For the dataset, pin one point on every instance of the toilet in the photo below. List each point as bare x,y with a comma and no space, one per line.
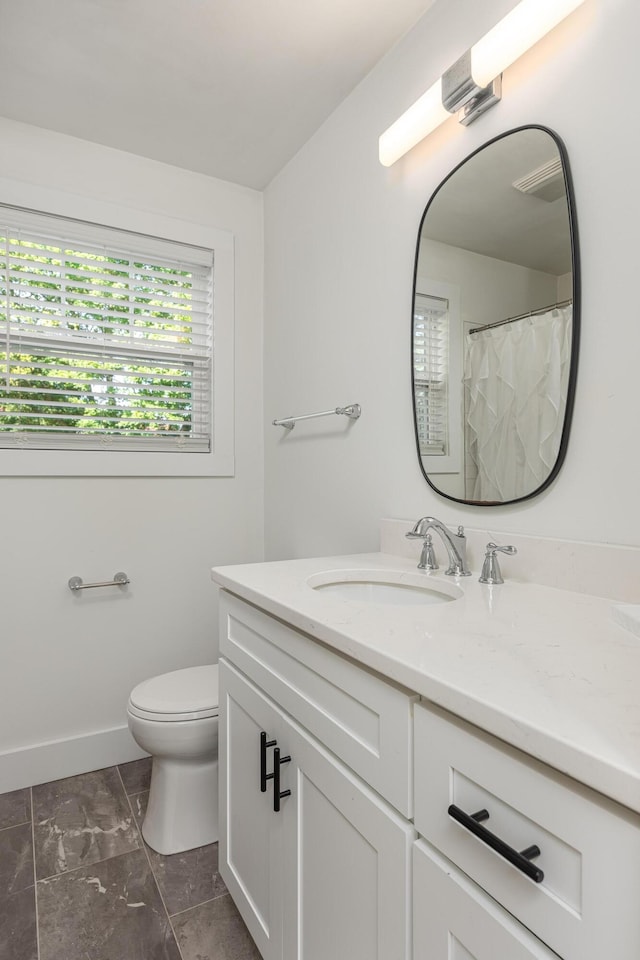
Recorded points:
174,717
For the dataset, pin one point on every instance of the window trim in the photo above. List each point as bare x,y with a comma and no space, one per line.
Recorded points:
111,463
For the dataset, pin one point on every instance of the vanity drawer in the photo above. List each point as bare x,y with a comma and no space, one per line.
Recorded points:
453,919
586,906
362,718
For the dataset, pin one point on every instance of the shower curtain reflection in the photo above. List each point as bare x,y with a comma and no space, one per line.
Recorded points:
515,386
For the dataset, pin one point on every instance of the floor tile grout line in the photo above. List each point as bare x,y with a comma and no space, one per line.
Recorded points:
155,879
35,878
136,792
21,824
86,866
195,906
132,796
5,897
133,815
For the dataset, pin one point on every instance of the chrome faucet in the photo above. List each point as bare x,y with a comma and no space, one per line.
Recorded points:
491,568
456,544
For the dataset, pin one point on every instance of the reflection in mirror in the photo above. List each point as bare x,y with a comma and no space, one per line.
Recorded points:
494,333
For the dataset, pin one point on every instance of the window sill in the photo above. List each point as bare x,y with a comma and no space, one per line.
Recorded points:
98,463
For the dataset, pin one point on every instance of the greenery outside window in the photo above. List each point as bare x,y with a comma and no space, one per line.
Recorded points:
106,341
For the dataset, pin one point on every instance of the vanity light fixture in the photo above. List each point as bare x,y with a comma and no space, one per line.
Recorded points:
474,83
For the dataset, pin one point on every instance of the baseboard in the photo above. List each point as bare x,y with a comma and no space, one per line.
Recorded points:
44,762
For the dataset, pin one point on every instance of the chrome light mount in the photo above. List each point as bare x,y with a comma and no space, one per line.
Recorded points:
462,95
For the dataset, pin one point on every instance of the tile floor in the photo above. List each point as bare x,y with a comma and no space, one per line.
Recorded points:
77,881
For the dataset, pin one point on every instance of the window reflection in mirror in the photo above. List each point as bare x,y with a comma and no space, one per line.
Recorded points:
494,328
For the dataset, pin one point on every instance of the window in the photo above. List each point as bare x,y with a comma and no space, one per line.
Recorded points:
430,373
437,375
106,346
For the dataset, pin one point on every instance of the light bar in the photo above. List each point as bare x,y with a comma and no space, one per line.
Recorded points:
472,85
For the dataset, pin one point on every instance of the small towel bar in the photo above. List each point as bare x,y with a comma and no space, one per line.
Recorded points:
352,411
119,580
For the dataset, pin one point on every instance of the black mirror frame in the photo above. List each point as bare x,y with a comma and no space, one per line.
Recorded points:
575,328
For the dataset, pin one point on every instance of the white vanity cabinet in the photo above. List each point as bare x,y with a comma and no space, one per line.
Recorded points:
371,855
326,875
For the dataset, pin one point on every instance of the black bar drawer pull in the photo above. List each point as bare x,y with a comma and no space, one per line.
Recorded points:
520,859
277,793
264,776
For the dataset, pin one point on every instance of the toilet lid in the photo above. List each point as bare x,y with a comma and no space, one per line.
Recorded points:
180,695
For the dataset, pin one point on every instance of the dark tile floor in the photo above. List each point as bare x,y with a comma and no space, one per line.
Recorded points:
77,881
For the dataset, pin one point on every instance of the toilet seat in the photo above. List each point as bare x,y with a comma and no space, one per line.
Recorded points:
190,694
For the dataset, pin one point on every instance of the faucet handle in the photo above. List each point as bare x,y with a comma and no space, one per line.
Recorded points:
428,556
494,548
491,568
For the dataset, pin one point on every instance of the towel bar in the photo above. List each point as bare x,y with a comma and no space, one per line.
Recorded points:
119,580
352,411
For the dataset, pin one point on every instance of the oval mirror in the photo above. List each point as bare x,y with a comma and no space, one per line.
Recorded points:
495,322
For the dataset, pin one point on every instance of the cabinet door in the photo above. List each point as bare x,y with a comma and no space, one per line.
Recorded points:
250,834
347,861
455,920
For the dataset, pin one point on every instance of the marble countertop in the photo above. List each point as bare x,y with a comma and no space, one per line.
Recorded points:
548,671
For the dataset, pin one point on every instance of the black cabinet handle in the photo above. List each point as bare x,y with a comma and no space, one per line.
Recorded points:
264,776
520,859
277,793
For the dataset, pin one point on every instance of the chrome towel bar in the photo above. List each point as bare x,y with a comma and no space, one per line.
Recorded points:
119,580
352,411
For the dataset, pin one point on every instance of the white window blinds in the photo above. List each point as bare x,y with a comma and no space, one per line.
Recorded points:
106,338
430,366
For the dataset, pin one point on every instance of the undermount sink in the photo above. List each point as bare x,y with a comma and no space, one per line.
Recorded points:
383,586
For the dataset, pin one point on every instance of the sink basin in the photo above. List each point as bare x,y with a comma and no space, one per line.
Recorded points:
383,586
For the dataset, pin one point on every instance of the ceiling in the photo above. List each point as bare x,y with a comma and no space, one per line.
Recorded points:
478,208
229,88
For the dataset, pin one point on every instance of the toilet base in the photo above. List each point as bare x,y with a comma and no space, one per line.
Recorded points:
182,812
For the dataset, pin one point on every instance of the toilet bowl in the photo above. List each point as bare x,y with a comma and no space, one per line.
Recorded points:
174,717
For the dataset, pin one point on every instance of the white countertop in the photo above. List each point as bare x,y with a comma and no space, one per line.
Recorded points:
548,671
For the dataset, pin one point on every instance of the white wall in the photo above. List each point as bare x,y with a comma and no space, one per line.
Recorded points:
340,234
490,289
69,662
565,287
